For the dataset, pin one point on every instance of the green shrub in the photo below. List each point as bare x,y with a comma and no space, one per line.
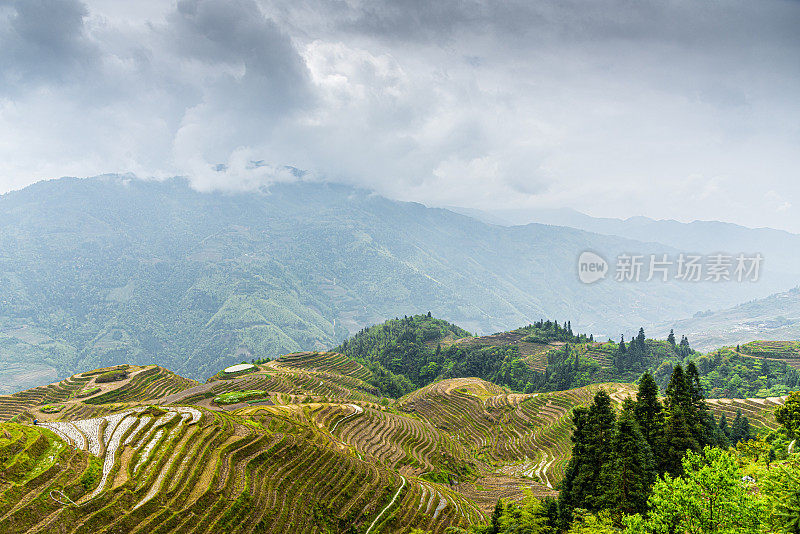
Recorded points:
234,397
112,376
91,476
87,392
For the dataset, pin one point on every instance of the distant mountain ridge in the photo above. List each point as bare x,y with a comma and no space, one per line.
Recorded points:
779,248
108,270
774,318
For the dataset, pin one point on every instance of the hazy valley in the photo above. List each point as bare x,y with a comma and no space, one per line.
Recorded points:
113,270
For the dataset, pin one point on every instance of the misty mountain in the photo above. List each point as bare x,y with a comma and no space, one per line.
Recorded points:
100,271
779,248
774,318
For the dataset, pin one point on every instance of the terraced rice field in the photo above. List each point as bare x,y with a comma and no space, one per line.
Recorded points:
759,411
602,353
295,465
772,349
182,469
528,433
286,384
325,361
144,383
786,351
11,405
316,452
534,354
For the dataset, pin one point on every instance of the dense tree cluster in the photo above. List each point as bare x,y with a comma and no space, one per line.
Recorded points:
567,368
728,373
411,352
578,364
720,491
403,354
658,467
408,353
546,331
788,415
634,355
616,458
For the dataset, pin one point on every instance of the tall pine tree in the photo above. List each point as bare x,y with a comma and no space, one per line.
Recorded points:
640,339
723,437
632,470
740,429
683,349
592,434
679,424
649,412
671,338
704,424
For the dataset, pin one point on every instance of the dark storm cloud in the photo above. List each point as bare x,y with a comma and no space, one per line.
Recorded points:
617,107
254,80
43,41
237,33
687,23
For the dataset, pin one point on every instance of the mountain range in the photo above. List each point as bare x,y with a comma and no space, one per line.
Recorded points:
114,269
779,248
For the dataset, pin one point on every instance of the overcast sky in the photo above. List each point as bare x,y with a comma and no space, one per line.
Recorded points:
671,109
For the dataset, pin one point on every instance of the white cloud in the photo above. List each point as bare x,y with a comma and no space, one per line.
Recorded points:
676,110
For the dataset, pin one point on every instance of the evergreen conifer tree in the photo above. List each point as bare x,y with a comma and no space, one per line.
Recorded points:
724,432
679,424
620,358
684,350
723,425
740,429
649,411
593,430
628,476
494,522
678,392
703,420
671,338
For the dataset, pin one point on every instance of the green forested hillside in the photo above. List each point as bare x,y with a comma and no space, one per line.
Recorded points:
722,373
757,369
403,354
114,270
409,353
